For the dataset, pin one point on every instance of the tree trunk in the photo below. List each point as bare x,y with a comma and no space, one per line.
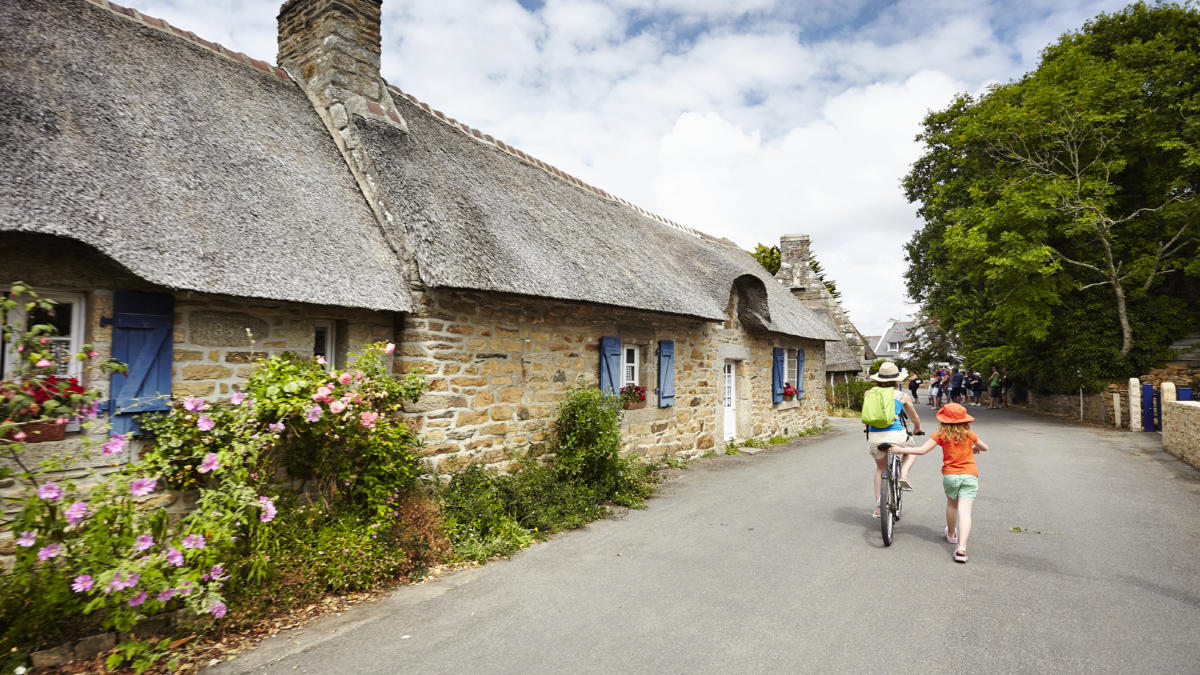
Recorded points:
1123,315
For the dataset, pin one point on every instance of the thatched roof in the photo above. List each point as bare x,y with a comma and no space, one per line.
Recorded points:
481,218
193,167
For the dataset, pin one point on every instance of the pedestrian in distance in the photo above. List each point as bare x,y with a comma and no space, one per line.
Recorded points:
1004,387
994,388
890,377
956,386
913,384
960,477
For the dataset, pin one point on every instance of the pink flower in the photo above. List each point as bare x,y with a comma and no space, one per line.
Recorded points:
19,436
389,348
131,581
275,426
114,445
164,596
49,491
217,573
44,341
193,404
193,541
143,542
321,360
237,398
210,463
205,423
43,363
142,486
27,539
185,588
268,508
93,354
314,413
174,557
137,599
369,419
323,392
218,610
82,583
337,407
76,512
61,421
345,379
48,552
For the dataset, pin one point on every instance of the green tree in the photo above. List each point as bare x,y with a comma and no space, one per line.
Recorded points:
767,256
820,272
1060,209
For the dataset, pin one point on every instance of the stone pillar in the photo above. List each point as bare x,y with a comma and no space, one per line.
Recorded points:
1168,392
1117,409
1135,404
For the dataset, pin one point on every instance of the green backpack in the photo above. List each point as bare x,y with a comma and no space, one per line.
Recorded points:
879,407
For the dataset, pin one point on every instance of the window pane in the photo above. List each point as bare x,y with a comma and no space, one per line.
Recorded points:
60,345
321,342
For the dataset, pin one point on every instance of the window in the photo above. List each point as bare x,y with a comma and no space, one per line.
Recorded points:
629,365
323,342
793,368
893,346
68,319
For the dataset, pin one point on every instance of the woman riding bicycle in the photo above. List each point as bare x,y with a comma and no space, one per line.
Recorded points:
888,376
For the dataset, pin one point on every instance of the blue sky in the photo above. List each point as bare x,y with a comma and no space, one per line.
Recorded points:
747,119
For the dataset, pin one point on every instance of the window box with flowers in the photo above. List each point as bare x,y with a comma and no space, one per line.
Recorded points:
789,392
30,401
633,397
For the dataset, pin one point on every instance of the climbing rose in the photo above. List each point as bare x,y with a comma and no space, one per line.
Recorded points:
314,413
210,463
43,363
337,407
369,419
114,445
82,583
27,539
143,542
77,512
237,398
20,436
137,599
321,360
193,541
345,379
268,508
389,348
141,486
218,610
49,491
174,557
204,423
48,552
93,354
193,404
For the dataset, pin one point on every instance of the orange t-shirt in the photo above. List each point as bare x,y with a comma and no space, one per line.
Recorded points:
957,458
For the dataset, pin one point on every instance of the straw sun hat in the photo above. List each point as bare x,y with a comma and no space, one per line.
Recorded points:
888,372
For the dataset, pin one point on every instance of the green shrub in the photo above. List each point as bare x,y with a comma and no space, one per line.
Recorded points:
337,552
849,394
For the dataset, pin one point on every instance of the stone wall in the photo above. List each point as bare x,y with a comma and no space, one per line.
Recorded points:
1181,430
498,367
1097,408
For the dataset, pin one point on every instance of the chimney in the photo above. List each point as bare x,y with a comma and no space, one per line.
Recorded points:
333,47
794,272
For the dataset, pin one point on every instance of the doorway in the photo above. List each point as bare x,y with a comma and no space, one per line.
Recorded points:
729,402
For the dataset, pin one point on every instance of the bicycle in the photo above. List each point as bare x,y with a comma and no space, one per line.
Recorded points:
891,496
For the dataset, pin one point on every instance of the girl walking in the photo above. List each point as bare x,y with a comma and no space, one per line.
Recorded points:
960,477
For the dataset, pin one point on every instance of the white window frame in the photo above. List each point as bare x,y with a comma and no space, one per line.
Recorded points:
894,347
792,375
74,341
630,370
330,341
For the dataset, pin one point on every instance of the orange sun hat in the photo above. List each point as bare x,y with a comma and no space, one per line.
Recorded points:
953,413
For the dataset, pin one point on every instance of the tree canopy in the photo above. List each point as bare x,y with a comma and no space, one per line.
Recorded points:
1061,216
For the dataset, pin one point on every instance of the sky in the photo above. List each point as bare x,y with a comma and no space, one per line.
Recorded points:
745,119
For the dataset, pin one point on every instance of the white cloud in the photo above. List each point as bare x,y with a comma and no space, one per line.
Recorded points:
748,119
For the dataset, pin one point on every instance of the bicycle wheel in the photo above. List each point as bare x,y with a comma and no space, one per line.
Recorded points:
899,494
885,510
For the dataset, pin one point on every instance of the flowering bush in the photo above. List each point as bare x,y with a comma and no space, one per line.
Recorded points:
632,393
104,553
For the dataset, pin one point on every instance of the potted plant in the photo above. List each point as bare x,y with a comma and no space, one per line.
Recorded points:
633,397
41,406
789,392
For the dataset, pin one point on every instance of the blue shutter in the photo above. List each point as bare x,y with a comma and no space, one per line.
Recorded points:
799,374
142,339
666,373
777,376
610,364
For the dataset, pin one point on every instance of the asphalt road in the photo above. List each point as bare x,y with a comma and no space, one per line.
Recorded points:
771,563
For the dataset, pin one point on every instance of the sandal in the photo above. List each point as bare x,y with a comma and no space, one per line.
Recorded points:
949,539
960,556
875,514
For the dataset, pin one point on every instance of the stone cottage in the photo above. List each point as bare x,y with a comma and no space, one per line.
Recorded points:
200,209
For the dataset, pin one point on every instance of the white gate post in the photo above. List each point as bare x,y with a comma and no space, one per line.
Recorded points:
1135,404
1117,409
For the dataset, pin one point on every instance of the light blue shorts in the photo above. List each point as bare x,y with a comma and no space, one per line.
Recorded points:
960,485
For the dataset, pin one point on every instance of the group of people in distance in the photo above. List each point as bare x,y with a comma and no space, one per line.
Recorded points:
960,476
963,387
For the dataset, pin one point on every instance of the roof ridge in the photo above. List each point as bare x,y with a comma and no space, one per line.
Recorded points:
161,25
548,168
